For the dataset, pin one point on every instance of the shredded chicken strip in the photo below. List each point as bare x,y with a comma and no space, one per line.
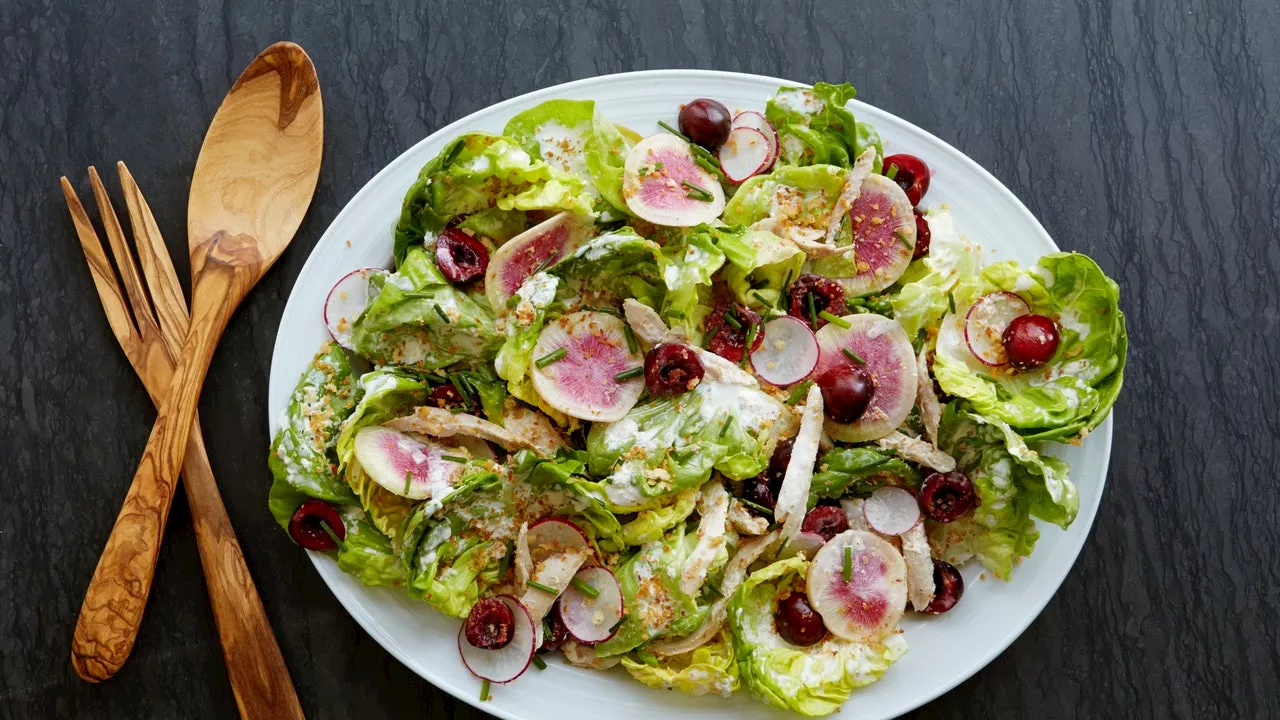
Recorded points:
585,656
853,513
917,450
743,522
523,563
915,550
533,427
438,422
713,506
794,495
734,573
556,572
930,407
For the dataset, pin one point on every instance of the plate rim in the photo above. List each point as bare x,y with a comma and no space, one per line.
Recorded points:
1104,433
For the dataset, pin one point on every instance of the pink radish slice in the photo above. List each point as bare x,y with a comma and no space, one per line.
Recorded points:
868,606
654,188
348,298
583,383
747,152
553,536
891,511
509,661
985,323
405,465
756,121
806,543
547,242
884,235
885,348
789,352
592,620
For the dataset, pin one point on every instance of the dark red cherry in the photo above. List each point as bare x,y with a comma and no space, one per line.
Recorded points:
671,369
825,294
948,587
727,327
1030,341
922,236
944,497
460,256
555,633
847,391
306,527
797,622
825,520
912,175
490,625
705,122
447,397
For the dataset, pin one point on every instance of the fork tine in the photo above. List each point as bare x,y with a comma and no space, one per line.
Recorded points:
104,278
143,316
157,267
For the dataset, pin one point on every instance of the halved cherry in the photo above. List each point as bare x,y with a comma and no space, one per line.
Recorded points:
911,174
948,587
460,255
814,294
489,625
448,397
728,326
922,236
307,526
671,369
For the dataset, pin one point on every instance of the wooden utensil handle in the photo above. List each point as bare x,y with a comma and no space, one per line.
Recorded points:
259,677
117,594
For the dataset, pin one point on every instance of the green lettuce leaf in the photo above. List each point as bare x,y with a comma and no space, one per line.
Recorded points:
303,457
385,394
584,498
1074,392
531,302
922,295
571,136
500,225
367,553
688,262
613,266
812,681
809,193
650,524
712,668
421,320
476,172
759,265
814,126
384,510
857,472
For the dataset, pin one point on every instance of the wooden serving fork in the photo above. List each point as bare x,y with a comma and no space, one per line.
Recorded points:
151,336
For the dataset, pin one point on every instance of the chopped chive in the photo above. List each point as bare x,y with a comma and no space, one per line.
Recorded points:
705,153
725,427
853,357
848,563
695,191
756,506
751,341
782,295
539,663
626,375
835,320
460,384
602,309
673,131
733,321
902,236
455,458
711,337
585,589
657,167
544,588
707,165
442,315
543,265
512,302
408,480
632,346
553,356
951,303
677,314
892,172
484,691
813,312
332,535
798,394
761,298
454,153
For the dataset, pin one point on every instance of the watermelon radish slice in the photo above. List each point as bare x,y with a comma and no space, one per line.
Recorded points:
756,121
985,323
788,354
539,246
868,606
348,298
583,382
592,620
891,511
747,152
509,661
883,345
884,235
659,178
408,466
806,543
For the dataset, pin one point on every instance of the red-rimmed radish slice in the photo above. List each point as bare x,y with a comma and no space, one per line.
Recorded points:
883,345
583,382
891,511
554,536
985,323
544,243
509,661
757,121
806,543
557,549
747,152
656,183
347,299
405,465
884,235
592,620
788,354
868,606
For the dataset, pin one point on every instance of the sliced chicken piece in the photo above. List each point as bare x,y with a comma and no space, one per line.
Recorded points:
926,400
743,522
853,512
713,506
533,427
849,192
918,451
585,656
645,322
438,422
915,550
523,562
555,572
793,497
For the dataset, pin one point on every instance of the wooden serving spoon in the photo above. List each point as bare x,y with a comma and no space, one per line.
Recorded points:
254,179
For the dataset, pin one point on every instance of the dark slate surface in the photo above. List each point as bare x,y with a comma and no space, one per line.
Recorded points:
1143,132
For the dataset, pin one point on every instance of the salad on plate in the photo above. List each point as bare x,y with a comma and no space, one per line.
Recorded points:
717,406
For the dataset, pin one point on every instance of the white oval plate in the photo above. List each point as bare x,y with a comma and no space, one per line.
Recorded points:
945,650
